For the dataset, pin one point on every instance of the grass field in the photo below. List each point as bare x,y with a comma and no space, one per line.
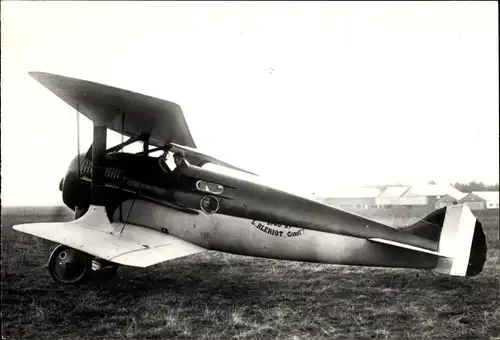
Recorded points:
214,296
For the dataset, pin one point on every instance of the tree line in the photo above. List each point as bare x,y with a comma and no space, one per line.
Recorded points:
476,186
473,186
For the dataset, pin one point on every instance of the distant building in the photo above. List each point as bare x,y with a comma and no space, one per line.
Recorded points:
390,196
448,200
417,195
480,200
429,194
351,197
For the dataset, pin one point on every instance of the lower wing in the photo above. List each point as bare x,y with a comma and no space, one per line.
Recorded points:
122,243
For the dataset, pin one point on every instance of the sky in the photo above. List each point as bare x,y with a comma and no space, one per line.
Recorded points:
309,95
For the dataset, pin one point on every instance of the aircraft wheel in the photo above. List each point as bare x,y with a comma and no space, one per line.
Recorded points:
69,266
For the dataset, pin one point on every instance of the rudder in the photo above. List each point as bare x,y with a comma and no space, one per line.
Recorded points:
460,238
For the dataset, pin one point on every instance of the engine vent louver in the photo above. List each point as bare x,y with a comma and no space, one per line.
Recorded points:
110,173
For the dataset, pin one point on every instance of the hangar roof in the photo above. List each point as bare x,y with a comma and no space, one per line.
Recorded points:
434,190
486,195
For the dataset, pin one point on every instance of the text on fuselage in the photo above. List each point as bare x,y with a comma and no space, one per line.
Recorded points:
273,229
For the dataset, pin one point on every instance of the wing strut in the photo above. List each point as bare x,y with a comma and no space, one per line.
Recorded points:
97,191
146,152
123,144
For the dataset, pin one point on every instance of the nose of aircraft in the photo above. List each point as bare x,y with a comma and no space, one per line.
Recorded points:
74,192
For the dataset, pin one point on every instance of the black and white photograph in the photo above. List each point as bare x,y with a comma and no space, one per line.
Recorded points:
250,170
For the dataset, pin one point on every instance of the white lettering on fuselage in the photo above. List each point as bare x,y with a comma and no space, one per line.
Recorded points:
273,229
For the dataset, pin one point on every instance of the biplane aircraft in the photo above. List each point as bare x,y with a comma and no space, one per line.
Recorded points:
136,209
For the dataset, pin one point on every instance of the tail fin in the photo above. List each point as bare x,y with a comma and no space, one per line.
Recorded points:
460,237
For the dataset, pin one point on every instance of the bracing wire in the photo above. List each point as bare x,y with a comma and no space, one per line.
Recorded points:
121,170
128,216
139,191
78,137
123,124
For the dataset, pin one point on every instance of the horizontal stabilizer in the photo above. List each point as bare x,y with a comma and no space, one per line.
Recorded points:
407,246
125,244
461,241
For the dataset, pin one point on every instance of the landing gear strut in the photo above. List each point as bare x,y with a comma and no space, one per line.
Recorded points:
69,266
79,212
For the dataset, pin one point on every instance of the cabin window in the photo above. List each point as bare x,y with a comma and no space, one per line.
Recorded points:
212,188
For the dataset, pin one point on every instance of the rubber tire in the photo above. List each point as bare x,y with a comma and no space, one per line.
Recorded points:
53,257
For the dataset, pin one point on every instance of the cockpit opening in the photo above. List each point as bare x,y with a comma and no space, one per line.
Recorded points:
169,161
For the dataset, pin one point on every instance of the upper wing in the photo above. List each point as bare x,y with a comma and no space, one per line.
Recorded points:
129,245
129,113
126,112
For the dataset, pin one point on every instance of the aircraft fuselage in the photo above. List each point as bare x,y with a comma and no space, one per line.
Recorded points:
176,210
271,240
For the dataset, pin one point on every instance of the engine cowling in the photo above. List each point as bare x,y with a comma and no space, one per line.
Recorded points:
135,173
75,192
